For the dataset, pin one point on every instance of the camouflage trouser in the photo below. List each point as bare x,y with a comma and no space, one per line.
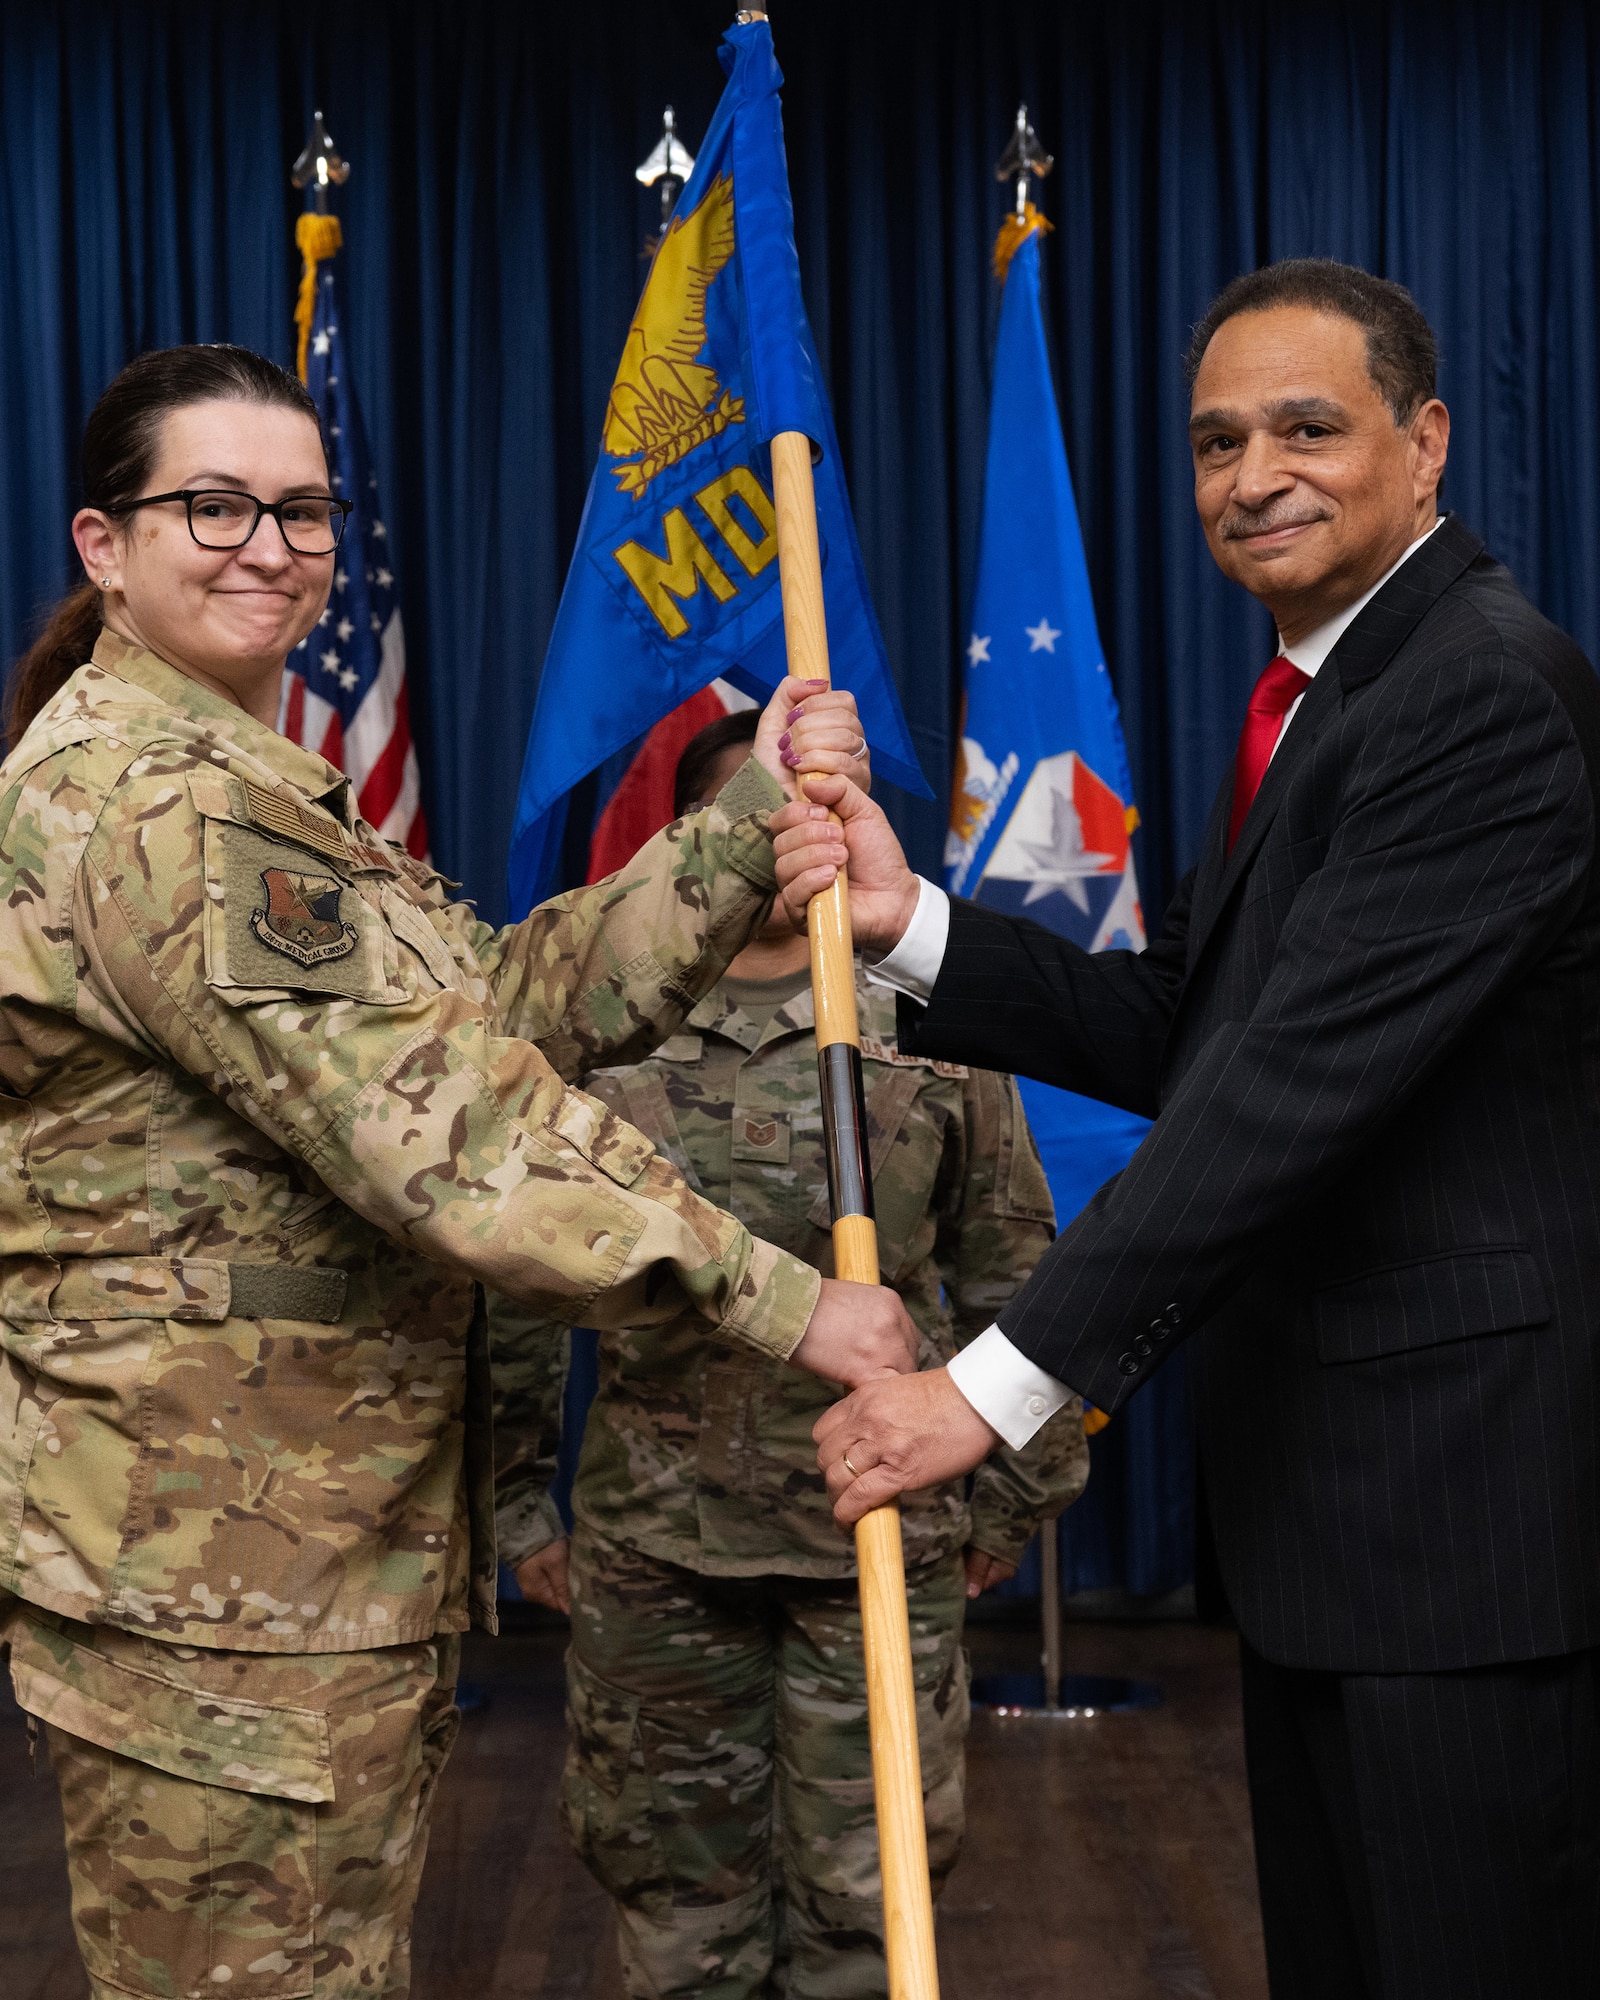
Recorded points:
244,1823
718,1780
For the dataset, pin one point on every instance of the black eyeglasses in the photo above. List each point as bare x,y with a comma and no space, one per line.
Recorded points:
311,525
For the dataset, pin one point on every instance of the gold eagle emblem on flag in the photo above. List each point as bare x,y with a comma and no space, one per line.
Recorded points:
302,917
665,401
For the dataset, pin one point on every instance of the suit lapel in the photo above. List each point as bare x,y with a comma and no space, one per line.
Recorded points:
1362,653
1383,627
1208,872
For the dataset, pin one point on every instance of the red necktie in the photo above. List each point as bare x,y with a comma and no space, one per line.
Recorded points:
1281,685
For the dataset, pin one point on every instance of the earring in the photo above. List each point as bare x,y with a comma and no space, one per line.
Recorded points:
105,583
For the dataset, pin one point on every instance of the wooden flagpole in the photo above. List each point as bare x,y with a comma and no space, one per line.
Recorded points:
886,1632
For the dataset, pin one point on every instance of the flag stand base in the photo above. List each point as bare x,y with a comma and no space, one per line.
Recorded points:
1078,1696
1051,1693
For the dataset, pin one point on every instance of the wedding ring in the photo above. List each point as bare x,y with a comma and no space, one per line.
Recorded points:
854,1474
857,755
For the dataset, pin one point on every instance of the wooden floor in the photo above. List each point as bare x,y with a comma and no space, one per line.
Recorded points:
1106,1858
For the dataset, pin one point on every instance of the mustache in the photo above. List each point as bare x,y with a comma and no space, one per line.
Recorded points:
1239,522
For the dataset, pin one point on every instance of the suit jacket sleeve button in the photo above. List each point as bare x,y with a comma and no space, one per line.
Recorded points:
1141,1347
1173,1316
1128,1364
1159,1329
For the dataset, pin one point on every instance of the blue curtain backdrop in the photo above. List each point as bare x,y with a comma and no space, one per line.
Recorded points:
494,228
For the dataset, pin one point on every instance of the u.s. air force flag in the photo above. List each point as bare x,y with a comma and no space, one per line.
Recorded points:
674,582
1042,806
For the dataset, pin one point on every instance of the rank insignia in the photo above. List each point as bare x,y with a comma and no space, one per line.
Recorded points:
763,1139
302,917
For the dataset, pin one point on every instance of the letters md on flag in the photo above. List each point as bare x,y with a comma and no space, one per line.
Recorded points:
344,694
1042,811
674,582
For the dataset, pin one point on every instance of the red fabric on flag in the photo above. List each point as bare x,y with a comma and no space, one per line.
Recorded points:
1281,685
642,804
294,707
375,751
381,786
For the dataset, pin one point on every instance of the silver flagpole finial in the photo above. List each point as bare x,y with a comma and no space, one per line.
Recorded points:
667,166
1022,157
320,165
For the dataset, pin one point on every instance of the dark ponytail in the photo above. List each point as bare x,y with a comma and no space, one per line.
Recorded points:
120,443
55,656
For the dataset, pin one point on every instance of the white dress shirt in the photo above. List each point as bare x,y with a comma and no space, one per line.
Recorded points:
1011,1393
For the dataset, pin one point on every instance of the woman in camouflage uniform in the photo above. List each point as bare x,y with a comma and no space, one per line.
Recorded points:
718,1780
274,1108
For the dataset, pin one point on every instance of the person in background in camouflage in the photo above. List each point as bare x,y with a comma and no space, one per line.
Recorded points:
274,1110
718,1781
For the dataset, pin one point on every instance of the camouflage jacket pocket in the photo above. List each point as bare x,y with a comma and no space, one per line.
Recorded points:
608,1142
411,925
640,1096
187,1732
282,919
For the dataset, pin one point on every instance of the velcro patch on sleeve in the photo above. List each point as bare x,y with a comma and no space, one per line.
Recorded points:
283,814
278,917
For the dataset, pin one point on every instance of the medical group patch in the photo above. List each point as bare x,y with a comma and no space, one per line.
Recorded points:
302,918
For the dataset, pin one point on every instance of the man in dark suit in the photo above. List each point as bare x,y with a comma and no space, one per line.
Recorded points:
1368,1034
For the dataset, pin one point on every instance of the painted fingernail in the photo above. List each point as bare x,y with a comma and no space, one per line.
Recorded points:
791,760
814,684
783,740
794,715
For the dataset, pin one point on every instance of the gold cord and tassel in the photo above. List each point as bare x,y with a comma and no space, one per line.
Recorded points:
1014,232
316,237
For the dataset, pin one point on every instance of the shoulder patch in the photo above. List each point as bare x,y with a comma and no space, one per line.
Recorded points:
278,918
873,1050
302,917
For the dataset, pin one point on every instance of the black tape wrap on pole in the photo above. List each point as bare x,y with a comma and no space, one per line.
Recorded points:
844,1126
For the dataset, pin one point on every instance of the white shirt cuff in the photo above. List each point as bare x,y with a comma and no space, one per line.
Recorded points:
913,965
1011,1393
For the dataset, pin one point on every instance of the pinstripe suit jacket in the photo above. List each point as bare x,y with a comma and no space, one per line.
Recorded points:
1369,1200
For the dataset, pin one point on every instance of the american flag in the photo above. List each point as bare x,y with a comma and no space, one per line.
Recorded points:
345,692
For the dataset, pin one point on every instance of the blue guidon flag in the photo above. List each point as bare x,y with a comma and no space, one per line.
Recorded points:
1042,810
674,582
344,694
